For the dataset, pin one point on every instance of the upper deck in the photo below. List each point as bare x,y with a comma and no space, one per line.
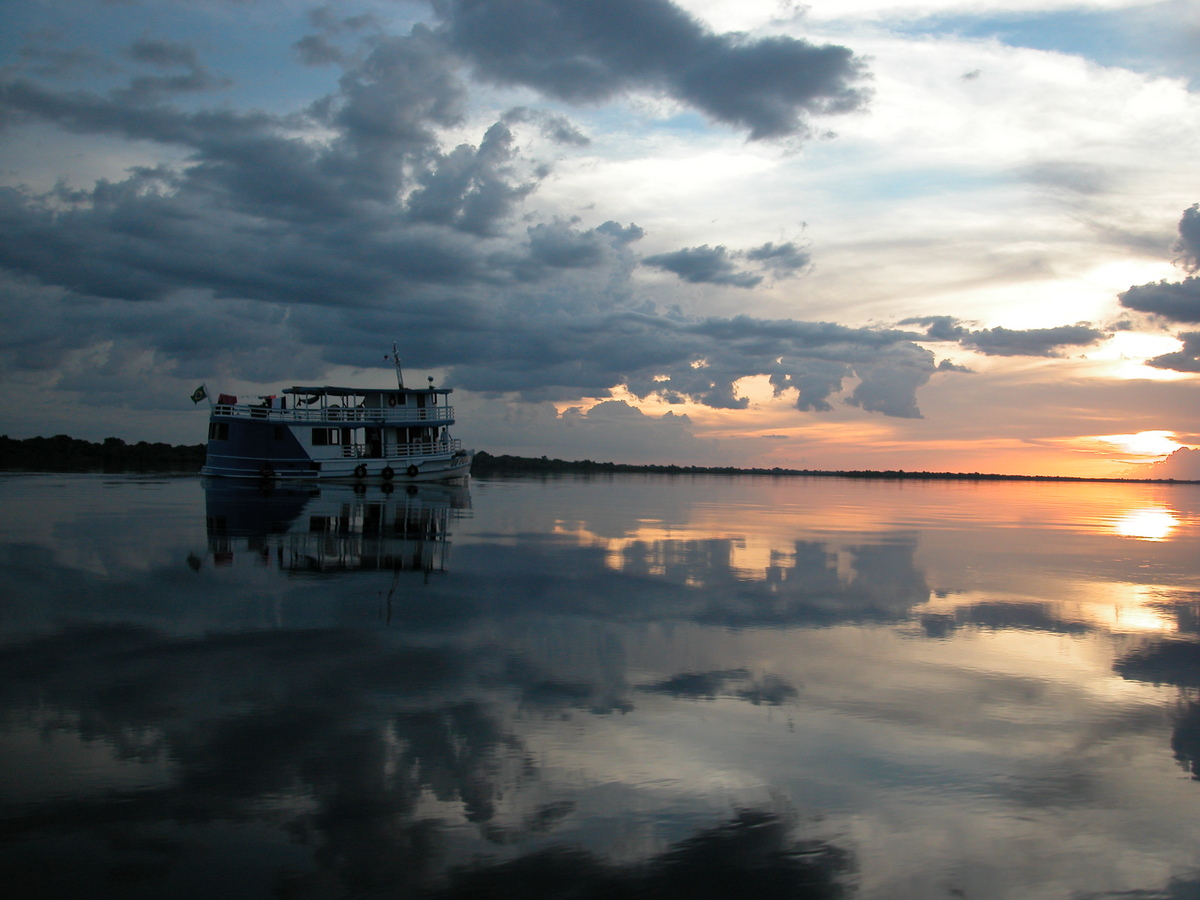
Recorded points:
319,405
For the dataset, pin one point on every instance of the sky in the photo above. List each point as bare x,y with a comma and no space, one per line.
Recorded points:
930,236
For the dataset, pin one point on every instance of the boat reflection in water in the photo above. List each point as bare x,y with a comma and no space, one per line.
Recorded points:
331,528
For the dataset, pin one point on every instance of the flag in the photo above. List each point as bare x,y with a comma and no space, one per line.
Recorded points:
199,394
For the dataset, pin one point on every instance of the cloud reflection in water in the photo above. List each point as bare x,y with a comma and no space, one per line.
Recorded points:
447,695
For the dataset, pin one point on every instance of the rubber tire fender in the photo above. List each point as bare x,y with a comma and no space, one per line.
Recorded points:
412,471
360,471
388,473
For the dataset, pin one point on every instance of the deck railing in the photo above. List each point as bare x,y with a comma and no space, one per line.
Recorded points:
398,415
391,450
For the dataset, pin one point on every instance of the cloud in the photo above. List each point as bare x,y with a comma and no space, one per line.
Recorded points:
556,128
946,365
938,328
1189,238
168,55
316,50
1045,342
629,421
623,235
1183,465
470,188
1174,301
1031,341
561,246
783,259
717,265
703,265
1186,359
592,53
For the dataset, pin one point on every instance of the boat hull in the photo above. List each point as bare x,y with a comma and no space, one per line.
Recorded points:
401,469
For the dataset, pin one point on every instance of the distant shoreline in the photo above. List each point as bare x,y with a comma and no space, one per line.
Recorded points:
113,455
486,464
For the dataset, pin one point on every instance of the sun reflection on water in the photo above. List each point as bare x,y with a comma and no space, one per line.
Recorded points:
1147,524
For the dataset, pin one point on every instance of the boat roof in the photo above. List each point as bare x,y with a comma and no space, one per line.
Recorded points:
354,392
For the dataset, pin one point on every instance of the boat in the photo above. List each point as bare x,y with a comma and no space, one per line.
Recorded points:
352,434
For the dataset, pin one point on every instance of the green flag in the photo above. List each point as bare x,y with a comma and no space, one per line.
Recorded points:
199,394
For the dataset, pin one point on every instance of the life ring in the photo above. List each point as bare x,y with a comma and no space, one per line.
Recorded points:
391,399
412,471
360,471
387,473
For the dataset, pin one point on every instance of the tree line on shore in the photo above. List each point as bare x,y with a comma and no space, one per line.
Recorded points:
485,465
66,454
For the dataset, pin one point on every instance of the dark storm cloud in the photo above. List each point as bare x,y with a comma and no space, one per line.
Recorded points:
1186,359
315,50
471,189
54,62
325,19
1175,301
350,220
782,258
946,365
584,52
623,235
704,265
319,49
1047,342
564,247
553,127
1189,238
938,328
717,265
164,54
168,55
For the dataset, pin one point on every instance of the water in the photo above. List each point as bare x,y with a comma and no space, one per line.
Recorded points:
631,686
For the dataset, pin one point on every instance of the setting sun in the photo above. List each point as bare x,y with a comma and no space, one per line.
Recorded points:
1145,443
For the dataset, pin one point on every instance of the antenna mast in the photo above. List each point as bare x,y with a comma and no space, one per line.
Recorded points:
396,360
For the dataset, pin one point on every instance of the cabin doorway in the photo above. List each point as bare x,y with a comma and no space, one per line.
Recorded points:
374,443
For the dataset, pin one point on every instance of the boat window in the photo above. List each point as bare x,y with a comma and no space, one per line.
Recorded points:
218,431
324,437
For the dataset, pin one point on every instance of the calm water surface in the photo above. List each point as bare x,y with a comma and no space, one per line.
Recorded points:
634,686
